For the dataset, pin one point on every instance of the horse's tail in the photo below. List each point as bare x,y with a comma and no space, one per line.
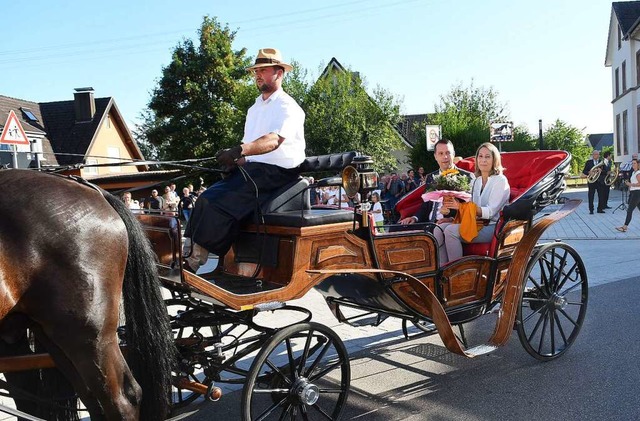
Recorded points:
151,352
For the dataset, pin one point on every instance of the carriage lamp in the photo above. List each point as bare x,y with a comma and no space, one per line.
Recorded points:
359,176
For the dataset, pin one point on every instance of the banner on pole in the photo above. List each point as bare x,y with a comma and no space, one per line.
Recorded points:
501,132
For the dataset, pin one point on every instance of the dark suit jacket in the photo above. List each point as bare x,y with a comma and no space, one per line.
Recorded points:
603,174
425,211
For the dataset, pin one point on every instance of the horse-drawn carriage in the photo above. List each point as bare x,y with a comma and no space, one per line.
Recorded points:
301,368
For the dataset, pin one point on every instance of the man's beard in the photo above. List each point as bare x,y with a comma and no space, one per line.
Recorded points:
267,88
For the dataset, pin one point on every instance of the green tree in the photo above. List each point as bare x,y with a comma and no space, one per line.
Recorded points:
341,116
201,99
563,136
464,113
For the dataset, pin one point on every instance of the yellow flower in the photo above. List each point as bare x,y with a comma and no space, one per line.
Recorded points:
448,172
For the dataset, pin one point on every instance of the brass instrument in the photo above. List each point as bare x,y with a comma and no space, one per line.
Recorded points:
594,172
612,175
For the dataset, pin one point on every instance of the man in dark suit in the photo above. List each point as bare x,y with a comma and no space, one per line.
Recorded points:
606,169
430,211
596,186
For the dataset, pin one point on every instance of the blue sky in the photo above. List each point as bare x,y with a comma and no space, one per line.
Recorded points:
544,58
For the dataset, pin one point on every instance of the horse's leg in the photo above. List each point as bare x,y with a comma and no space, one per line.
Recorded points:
66,366
83,323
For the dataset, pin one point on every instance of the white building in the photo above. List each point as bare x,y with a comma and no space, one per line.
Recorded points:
623,56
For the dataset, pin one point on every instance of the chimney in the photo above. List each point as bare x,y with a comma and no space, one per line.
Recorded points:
84,104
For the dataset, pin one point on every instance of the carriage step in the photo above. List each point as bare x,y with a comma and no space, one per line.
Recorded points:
481,350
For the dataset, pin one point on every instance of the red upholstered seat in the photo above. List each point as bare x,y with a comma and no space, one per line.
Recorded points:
523,170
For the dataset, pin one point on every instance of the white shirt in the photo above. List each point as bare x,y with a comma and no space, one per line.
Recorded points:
634,180
279,114
493,197
377,216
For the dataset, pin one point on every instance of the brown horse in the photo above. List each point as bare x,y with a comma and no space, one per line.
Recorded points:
68,255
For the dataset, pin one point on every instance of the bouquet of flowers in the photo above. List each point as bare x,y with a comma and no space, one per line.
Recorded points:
448,183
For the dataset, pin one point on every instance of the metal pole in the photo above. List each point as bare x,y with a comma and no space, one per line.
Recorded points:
14,156
34,153
540,141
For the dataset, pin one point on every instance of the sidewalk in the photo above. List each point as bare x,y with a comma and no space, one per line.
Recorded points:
580,225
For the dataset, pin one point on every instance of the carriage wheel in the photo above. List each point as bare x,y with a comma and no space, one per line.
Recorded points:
303,373
553,302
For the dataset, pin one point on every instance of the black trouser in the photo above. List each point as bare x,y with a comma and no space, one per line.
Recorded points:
216,218
634,202
605,191
593,188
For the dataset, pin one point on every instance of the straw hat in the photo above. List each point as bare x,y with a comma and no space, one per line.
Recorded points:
270,57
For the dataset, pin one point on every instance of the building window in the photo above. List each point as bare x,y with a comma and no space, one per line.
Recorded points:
624,77
637,67
617,82
31,117
625,142
108,122
618,135
619,37
90,170
114,158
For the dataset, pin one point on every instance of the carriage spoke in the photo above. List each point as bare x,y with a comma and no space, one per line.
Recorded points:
315,363
535,329
567,276
305,352
535,284
272,408
292,362
278,371
542,332
317,408
571,288
560,329
533,313
569,317
326,370
334,391
560,271
552,331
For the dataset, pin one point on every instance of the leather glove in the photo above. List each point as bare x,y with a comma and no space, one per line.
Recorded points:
227,157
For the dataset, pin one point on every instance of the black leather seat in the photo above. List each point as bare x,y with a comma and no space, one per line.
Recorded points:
290,206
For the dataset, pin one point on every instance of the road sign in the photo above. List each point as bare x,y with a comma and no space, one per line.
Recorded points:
13,133
433,135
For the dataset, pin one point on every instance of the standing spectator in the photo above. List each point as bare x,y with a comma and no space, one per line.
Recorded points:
174,193
126,198
411,181
421,176
170,203
155,202
395,190
186,204
376,210
634,194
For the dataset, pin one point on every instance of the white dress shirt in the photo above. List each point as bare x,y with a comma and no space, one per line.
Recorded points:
279,114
